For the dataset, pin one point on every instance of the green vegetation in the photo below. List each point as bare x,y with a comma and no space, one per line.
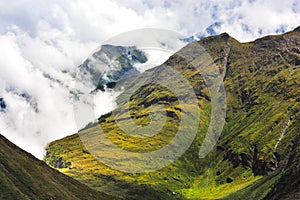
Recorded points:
25,177
257,153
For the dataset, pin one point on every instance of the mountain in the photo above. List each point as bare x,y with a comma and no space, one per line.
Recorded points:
111,63
211,30
25,177
257,155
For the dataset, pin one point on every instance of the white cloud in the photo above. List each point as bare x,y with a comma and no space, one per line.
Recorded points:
36,107
40,41
252,20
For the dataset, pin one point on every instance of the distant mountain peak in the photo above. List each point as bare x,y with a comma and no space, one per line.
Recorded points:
297,29
211,30
225,35
111,63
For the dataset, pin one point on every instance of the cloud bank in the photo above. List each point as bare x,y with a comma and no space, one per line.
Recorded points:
41,42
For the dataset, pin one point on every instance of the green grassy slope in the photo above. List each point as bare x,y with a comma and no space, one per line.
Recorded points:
257,152
22,176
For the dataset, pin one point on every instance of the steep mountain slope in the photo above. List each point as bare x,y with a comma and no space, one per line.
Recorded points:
22,176
257,155
110,64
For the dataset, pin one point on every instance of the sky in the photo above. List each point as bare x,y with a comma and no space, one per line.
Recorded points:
42,40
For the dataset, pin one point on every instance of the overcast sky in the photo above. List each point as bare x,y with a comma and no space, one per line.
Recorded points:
44,38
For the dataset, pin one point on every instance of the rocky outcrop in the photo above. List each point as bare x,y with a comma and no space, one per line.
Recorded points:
60,163
110,64
2,105
251,160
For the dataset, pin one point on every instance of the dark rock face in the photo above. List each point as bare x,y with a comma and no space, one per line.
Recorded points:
297,29
2,105
111,85
60,163
229,180
289,183
258,166
110,64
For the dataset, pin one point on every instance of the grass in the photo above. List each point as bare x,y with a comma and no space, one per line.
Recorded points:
205,188
25,177
261,95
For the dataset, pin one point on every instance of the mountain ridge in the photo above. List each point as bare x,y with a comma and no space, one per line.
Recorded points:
25,177
261,80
